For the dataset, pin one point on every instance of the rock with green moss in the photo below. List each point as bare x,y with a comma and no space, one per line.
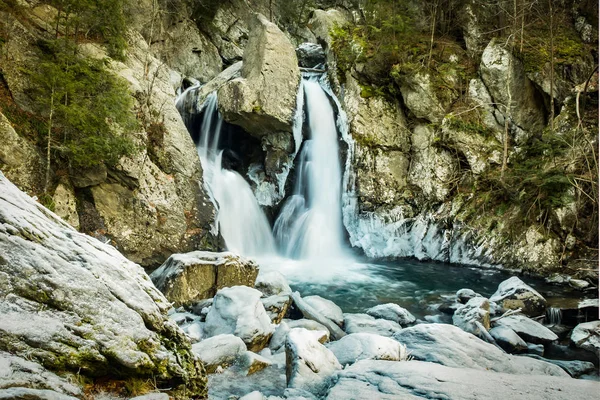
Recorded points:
72,303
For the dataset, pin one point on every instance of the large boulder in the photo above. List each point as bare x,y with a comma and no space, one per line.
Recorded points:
451,346
366,346
504,76
237,310
219,351
587,336
186,278
56,286
309,364
392,312
528,329
513,293
390,380
263,99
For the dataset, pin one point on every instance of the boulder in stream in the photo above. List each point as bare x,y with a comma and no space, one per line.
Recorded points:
513,293
358,323
587,336
528,329
367,346
392,312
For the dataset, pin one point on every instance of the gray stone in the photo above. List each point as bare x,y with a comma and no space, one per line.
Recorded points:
327,308
535,349
310,55
575,368
309,365
587,336
472,316
237,310
65,204
451,346
392,312
390,380
310,313
189,277
56,285
513,294
276,306
251,362
219,351
464,295
420,97
366,346
263,100
19,393
359,323
508,339
579,283
272,283
528,329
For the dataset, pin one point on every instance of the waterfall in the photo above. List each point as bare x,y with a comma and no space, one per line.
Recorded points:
309,225
240,219
553,316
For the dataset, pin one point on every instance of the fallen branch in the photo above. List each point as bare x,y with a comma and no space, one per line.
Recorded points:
506,314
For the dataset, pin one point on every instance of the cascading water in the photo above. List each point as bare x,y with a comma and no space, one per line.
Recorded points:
240,219
310,223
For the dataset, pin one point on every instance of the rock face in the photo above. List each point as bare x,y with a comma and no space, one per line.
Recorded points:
237,310
189,277
366,346
513,293
388,380
56,285
587,336
452,347
309,364
263,100
219,351
528,329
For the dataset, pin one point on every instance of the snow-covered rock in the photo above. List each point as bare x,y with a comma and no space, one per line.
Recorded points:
357,323
575,368
310,312
280,335
327,308
473,315
451,346
251,362
367,346
527,328
508,339
272,283
238,310
219,351
389,380
392,312
310,365
189,277
513,293
587,336
276,306
464,295
75,304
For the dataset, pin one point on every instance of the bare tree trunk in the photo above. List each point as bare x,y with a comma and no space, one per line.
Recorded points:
271,10
433,16
551,66
49,142
522,24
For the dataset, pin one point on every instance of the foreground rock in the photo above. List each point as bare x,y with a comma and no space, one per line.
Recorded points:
187,278
575,368
310,312
263,99
219,351
357,323
587,336
238,310
513,293
367,346
327,308
309,364
451,346
474,316
508,339
56,286
388,380
528,329
392,312
272,283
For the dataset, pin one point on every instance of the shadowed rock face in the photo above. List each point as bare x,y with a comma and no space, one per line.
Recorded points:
72,303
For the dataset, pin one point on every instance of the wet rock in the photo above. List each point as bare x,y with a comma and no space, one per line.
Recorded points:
587,336
527,329
535,349
451,346
575,368
237,310
309,365
276,307
392,312
327,308
219,351
272,283
364,323
579,284
390,380
263,99
57,285
508,339
473,315
311,55
513,293
188,277
366,346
